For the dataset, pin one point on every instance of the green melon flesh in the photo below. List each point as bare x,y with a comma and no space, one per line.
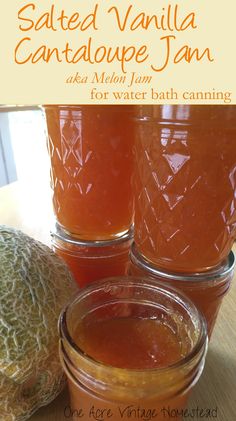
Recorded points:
35,285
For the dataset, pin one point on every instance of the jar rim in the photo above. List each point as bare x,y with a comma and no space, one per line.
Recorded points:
81,106
187,115
58,233
200,345
218,273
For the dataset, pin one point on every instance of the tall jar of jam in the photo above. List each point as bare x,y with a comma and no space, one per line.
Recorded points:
185,185
205,289
89,261
91,168
133,348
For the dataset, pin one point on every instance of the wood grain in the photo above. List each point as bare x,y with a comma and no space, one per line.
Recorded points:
28,207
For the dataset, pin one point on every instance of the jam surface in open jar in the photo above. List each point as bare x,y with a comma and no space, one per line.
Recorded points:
129,342
134,344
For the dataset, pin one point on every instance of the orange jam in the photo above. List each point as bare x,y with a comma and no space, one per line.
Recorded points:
131,349
155,344
91,168
205,289
185,185
89,261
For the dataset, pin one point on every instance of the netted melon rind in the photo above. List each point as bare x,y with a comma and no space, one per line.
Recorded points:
35,285
20,407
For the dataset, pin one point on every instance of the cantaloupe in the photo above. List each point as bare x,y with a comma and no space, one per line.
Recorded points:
35,285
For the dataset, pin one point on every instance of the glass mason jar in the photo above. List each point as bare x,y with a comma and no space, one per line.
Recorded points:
205,289
185,185
118,353
90,147
89,261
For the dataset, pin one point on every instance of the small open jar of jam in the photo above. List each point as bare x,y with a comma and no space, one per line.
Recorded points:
185,185
92,260
205,289
91,151
129,346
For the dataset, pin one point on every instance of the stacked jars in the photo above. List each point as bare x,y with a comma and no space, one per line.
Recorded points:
91,168
126,340
185,190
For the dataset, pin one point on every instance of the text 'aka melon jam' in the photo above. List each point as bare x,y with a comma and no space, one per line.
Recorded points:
169,21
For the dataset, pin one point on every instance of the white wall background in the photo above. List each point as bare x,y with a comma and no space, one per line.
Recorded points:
23,150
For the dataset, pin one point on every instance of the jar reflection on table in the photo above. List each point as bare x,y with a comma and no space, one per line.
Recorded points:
91,168
205,289
185,185
89,261
93,383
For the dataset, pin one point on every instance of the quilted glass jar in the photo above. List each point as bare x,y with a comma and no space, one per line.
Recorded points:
91,168
185,185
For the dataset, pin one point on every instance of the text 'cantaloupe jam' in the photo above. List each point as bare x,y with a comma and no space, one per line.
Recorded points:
131,348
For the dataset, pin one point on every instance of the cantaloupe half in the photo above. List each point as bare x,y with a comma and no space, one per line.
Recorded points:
35,285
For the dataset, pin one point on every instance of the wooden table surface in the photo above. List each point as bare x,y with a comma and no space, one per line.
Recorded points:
28,207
